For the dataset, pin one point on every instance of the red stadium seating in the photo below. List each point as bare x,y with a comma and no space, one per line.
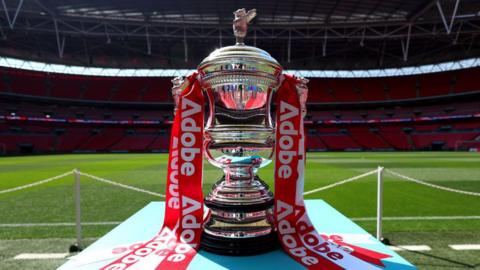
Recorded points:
339,142
66,88
328,127
450,139
467,125
319,91
158,89
100,89
74,137
372,90
402,87
18,143
467,80
137,143
103,140
162,142
430,128
129,90
28,83
315,143
395,137
436,84
398,112
324,129
367,139
17,137
343,90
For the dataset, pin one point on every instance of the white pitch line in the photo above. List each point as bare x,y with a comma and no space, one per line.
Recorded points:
58,224
40,256
106,223
410,248
465,247
418,218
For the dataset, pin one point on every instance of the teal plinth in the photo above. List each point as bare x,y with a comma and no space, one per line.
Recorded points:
144,224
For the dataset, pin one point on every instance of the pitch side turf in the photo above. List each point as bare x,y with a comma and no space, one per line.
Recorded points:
53,203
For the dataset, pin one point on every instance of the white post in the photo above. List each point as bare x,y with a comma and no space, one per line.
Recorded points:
185,45
78,212
379,202
289,45
149,43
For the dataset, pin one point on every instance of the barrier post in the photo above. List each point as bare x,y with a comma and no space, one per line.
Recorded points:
78,214
379,202
380,205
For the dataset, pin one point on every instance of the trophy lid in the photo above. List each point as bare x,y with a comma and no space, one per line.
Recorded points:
240,64
239,51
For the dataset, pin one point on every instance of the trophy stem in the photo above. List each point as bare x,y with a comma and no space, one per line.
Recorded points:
241,215
239,175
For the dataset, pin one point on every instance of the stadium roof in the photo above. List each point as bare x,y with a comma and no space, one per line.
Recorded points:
163,72
348,34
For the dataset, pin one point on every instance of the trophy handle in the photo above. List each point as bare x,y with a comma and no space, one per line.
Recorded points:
211,159
211,109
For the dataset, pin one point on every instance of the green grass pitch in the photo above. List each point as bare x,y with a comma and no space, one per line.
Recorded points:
54,202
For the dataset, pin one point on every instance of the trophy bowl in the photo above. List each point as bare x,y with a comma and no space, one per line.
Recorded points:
239,82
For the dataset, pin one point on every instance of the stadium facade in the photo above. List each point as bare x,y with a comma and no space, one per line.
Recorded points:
93,76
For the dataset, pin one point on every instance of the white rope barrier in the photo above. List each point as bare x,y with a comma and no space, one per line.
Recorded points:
121,185
36,183
341,182
471,193
377,171
44,181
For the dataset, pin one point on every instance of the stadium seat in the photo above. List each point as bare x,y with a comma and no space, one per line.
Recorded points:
367,139
340,142
467,80
378,93
402,87
129,90
65,87
435,84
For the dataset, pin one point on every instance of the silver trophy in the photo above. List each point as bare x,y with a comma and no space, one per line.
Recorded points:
239,82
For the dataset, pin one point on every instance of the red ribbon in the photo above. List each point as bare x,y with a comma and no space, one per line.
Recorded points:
178,241
367,255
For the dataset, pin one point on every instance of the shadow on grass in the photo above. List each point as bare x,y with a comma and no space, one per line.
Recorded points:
458,264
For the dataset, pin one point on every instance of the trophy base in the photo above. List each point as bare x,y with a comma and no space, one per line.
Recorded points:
231,198
239,246
240,218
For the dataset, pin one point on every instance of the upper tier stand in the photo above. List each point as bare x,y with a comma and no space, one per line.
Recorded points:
147,222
